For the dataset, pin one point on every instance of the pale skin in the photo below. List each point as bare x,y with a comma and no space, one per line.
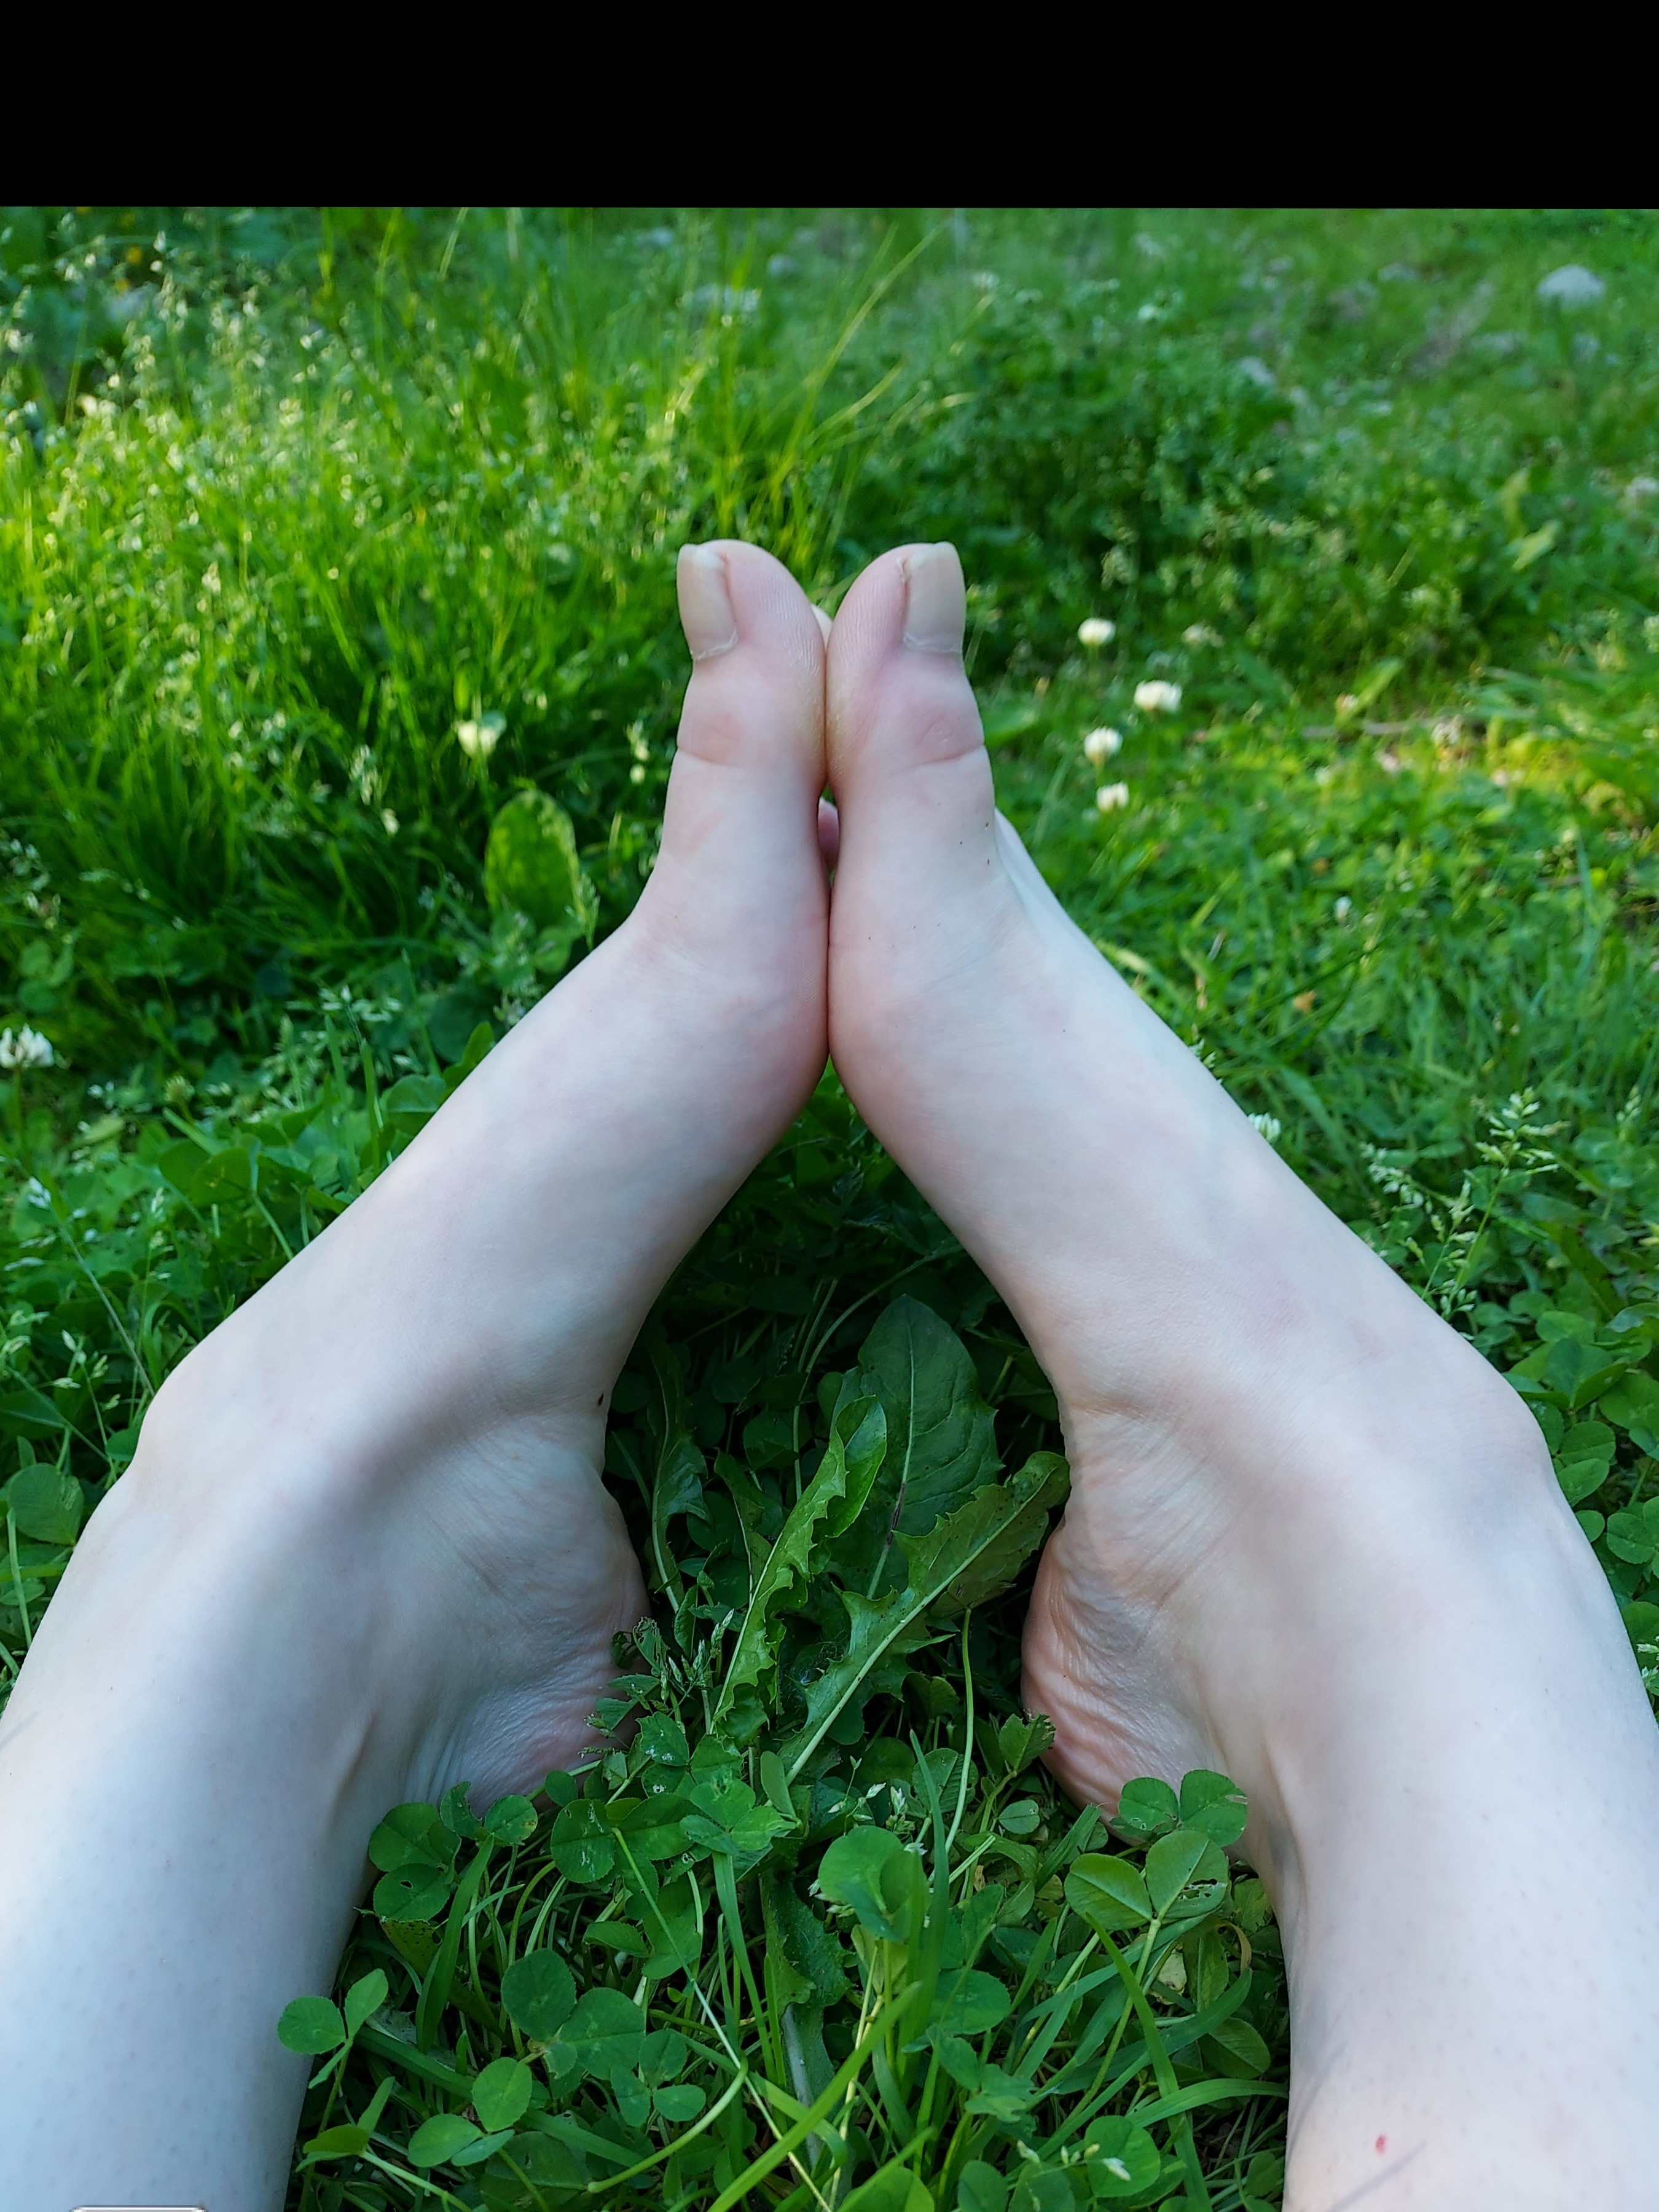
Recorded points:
364,1552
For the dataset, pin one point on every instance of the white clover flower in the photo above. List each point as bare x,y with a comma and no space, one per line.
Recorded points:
1095,632
1198,634
1267,1124
1111,795
1343,908
1640,488
1100,745
477,740
1157,698
1572,286
28,1048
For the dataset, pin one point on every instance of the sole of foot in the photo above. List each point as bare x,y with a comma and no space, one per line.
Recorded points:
1313,1541
364,1552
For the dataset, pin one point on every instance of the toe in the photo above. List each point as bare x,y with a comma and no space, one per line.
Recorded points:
739,870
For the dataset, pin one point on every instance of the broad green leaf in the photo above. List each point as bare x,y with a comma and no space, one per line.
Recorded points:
730,1821
1108,1893
1581,1372
680,2102
1040,2190
1213,1805
364,1999
662,2056
1119,2157
311,2025
500,2095
1633,1533
1147,1809
411,1835
858,1432
618,1935
511,1819
1021,1818
46,1504
662,1740
413,1892
1633,1403
981,2189
893,2188
539,1992
603,2035
870,1869
969,2002
435,2141
1241,2045
531,865
579,1846
339,2143
1022,1738
1187,1856
941,1444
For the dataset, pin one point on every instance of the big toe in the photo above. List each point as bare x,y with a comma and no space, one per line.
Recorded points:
739,875
907,755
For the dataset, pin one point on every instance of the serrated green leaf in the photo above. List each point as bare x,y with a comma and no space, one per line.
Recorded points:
857,1435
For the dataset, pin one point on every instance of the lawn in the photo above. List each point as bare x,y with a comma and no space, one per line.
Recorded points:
339,673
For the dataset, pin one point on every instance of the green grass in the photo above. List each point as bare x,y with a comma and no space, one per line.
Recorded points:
287,500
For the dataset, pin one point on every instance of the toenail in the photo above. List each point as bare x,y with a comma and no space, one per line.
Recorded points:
935,603
705,615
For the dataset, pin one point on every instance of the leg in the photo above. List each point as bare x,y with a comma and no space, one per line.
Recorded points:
364,1552
1313,1541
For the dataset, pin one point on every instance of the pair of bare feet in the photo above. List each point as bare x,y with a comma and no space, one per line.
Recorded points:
365,1551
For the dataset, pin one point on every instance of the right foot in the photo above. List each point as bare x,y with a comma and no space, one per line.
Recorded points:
1312,1540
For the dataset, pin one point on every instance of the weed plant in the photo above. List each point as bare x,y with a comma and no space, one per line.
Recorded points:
338,678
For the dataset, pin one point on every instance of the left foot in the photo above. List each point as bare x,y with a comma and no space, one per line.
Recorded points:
364,1552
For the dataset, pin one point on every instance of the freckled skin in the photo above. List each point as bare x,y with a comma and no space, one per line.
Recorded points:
1312,1540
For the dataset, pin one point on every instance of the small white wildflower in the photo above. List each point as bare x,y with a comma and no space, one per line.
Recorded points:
1157,698
1198,634
1640,488
389,821
28,1048
1267,1125
1111,795
1100,745
477,740
1344,908
1116,2168
1095,632
1572,286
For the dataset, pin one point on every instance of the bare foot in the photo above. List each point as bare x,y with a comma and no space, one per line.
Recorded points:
1313,1541
364,1552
